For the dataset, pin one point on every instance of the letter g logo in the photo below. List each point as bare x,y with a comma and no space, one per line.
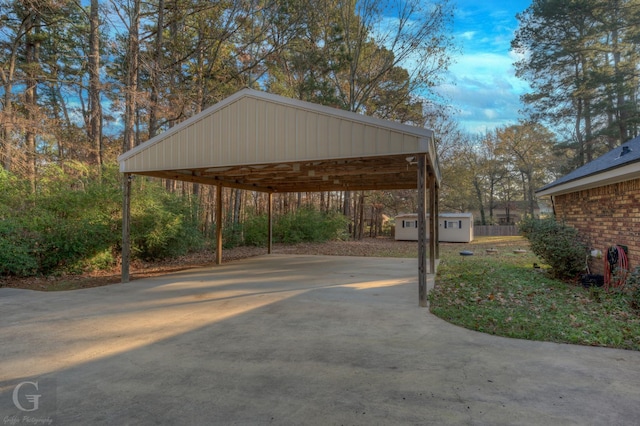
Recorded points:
34,399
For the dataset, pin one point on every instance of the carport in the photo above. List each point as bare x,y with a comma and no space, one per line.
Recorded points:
262,142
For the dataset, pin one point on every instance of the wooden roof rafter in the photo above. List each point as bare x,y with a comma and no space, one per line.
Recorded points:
377,173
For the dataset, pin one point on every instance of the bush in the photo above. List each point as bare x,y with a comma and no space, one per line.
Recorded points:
73,223
256,231
309,225
304,225
633,286
162,224
16,250
557,244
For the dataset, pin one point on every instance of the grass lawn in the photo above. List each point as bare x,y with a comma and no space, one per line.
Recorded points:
502,293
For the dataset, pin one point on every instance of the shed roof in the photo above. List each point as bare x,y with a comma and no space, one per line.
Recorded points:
441,215
618,165
259,141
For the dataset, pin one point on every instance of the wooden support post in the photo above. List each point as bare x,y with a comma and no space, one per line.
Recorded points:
433,224
126,227
422,231
436,198
270,223
219,225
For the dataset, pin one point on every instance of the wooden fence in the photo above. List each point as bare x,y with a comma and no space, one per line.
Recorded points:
495,230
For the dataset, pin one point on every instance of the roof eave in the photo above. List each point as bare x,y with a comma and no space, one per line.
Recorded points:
619,174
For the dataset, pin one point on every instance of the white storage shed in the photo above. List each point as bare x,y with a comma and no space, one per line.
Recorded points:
452,227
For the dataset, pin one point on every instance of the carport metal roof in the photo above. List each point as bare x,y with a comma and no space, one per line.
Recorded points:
263,142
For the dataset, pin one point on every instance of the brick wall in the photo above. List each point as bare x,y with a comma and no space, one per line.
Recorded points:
605,216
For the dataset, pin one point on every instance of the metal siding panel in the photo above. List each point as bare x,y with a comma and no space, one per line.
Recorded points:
190,147
275,137
183,147
165,152
271,132
322,136
261,133
205,131
249,148
301,133
357,138
145,159
195,146
201,141
383,140
227,155
369,138
333,145
239,134
275,134
217,138
410,143
345,140
174,158
290,139
312,136
395,142
242,123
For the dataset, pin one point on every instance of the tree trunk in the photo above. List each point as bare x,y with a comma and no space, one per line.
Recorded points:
155,72
133,55
32,47
95,106
483,219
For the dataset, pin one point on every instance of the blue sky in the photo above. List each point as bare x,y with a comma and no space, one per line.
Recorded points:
483,87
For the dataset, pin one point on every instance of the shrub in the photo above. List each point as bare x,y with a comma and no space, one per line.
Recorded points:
73,221
633,286
16,250
557,244
309,225
256,231
162,224
304,225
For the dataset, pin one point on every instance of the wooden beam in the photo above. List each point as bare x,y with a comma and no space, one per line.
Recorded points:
218,225
437,206
433,224
126,231
422,234
270,222
172,174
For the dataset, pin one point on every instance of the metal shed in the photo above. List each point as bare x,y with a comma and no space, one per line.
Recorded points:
452,227
257,141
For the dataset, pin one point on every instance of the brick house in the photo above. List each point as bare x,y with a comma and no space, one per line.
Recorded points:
602,201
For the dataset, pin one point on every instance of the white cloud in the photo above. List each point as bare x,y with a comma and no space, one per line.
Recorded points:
485,91
467,35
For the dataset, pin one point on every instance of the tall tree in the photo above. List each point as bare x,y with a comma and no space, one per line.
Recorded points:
581,58
528,149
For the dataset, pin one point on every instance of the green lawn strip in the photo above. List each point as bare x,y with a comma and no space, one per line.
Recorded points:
504,295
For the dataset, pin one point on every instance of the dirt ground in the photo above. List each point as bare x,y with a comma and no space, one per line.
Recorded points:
366,247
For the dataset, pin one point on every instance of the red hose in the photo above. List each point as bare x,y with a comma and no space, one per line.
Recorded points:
615,274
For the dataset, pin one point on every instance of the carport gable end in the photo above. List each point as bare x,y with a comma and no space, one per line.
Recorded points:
258,141
263,142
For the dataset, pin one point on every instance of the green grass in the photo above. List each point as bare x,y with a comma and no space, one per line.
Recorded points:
503,294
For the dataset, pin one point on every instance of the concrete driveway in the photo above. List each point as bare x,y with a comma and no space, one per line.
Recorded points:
289,340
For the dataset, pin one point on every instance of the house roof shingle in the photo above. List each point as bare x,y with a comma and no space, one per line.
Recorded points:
622,156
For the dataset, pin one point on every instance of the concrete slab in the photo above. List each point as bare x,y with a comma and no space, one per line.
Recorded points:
289,340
